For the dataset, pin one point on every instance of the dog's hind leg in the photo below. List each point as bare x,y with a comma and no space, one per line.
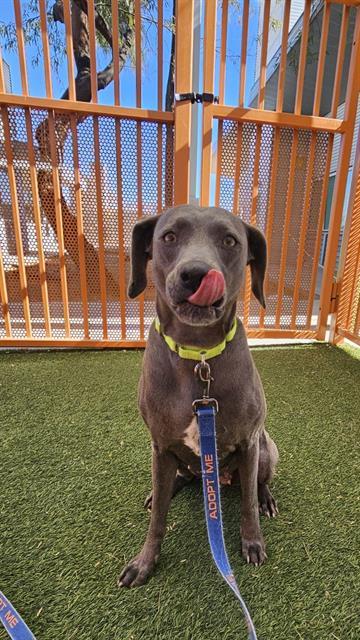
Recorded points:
268,458
182,479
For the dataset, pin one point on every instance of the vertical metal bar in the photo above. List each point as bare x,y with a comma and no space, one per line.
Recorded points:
354,284
271,211
317,247
80,227
302,57
159,102
115,48
340,180
303,228
224,23
45,46
356,330
244,39
286,228
92,50
160,53
4,298
16,220
283,57
122,264
140,210
100,222
349,261
208,87
139,138
21,47
195,111
255,195
37,218
183,77
59,221
2,80
263,57
138,51
69,49
321,59
242,81
340,60
3,288
237,168
218,162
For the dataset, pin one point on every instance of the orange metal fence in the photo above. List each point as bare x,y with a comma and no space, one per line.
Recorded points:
273,165
346,322
75,175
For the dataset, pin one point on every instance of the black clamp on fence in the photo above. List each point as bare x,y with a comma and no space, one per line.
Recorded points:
207,97
183,97
196,97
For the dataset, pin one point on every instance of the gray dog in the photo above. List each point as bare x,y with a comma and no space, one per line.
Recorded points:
199,260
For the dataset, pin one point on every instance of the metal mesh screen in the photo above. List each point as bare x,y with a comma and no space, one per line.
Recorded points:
127,175
239,149
348,317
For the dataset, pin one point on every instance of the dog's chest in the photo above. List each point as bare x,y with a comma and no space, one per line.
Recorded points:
191,441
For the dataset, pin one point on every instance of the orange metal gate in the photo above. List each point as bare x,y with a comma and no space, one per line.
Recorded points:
78,176
346,320
272,166
75,176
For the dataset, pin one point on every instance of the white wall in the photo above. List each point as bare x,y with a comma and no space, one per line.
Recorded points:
336,148
275,34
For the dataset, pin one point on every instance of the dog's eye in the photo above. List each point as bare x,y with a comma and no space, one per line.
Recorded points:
169,237
229,241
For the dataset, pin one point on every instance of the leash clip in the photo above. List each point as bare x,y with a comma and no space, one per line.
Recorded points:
203,372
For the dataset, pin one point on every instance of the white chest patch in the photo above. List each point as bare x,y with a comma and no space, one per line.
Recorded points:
191,437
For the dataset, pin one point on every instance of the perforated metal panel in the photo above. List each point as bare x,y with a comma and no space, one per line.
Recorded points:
235,144
117,186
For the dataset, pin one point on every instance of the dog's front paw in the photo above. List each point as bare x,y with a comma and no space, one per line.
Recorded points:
253,551
137,571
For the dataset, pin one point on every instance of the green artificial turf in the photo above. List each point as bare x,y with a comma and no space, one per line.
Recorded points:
75,469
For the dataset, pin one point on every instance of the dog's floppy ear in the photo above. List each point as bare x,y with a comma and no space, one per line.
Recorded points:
257,261
141,244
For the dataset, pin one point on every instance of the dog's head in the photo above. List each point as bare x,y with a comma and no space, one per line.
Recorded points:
199,260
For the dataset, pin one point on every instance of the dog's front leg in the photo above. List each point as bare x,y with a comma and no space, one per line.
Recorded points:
253,548
139,569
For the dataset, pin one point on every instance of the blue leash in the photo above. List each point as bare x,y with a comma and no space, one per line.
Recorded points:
13,622
205,410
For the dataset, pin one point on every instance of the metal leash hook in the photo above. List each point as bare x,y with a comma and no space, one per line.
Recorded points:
203,372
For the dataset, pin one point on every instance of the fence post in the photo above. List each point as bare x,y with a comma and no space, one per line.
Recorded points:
208,87
353,87
183,82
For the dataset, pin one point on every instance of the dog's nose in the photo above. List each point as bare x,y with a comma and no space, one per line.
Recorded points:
191,275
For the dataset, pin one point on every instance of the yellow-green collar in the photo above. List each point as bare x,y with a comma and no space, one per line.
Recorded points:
196,353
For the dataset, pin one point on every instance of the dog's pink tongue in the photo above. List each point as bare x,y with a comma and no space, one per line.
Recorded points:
211,288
